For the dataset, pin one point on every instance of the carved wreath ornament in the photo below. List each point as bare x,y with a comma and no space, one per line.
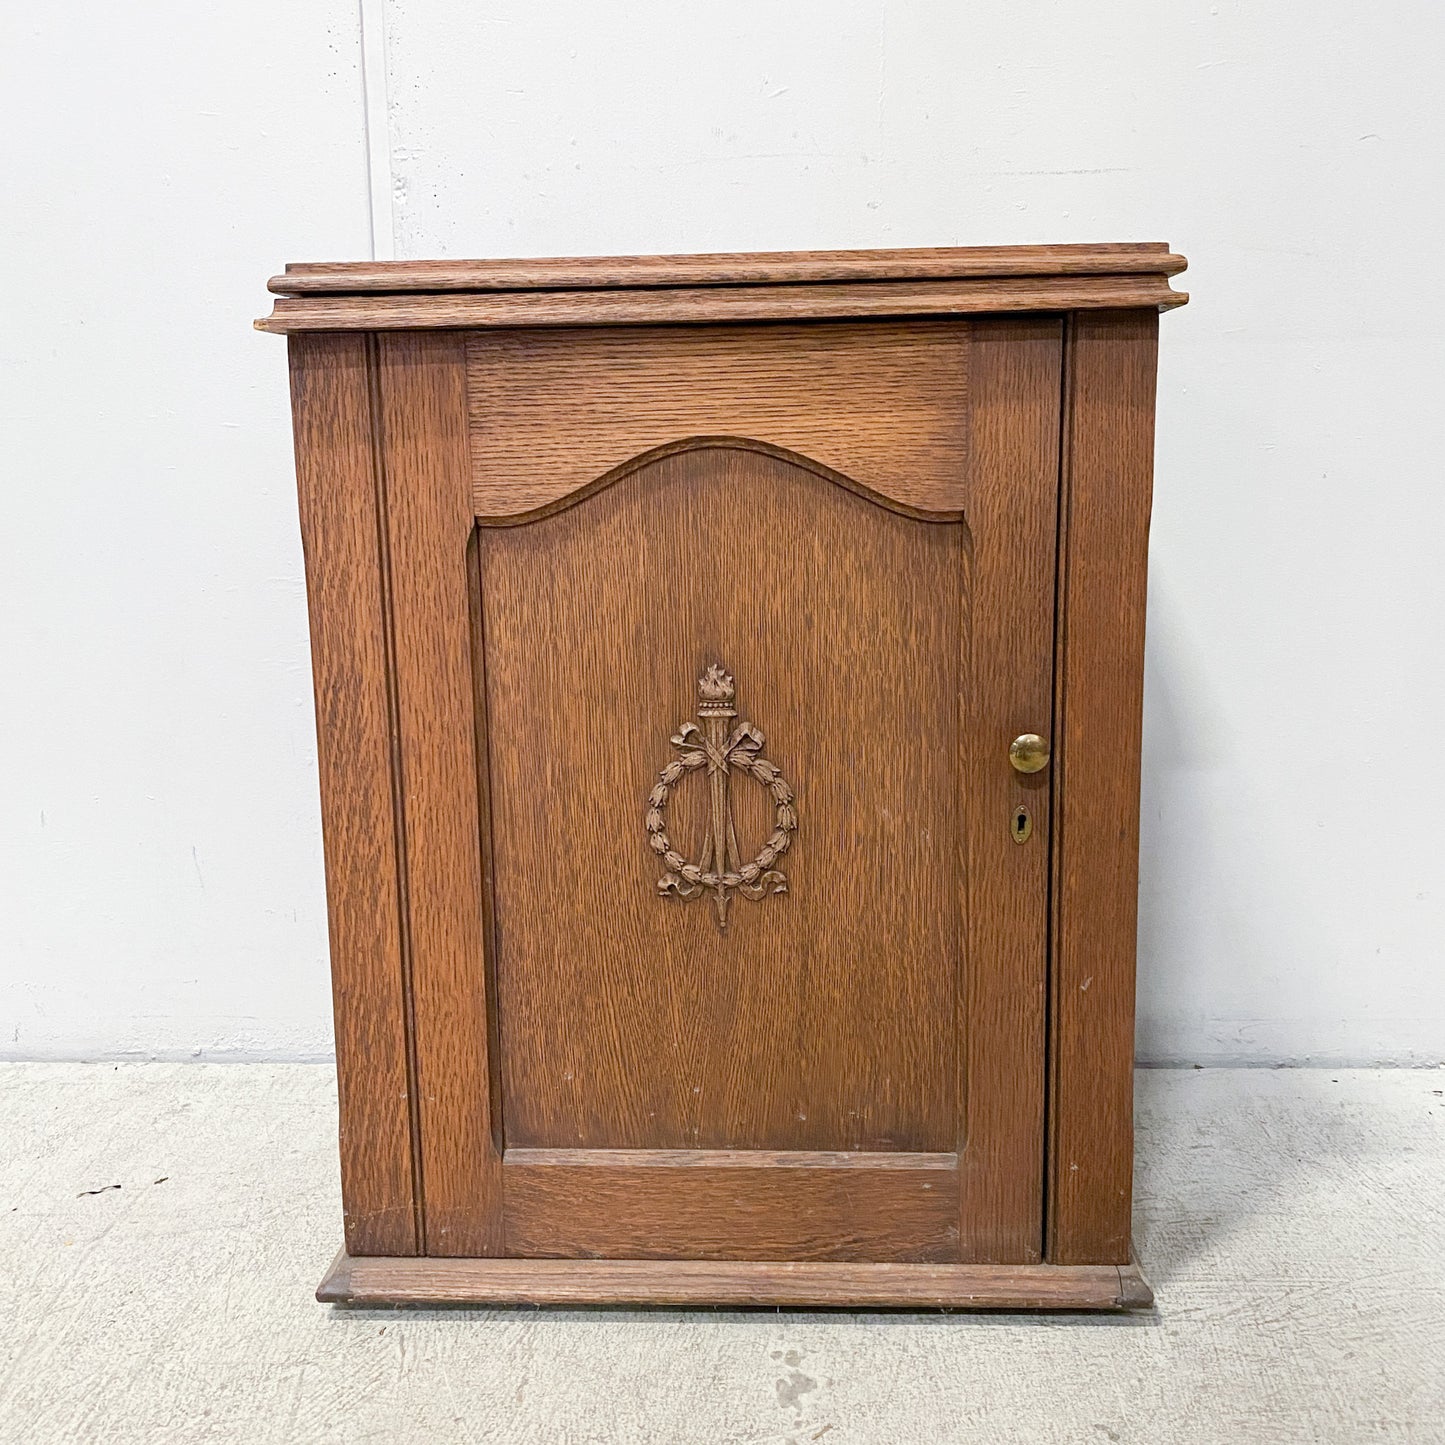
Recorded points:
723,754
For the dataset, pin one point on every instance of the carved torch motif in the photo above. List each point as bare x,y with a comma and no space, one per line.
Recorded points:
723,753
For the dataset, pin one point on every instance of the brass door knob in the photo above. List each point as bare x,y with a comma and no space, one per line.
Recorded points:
1029,753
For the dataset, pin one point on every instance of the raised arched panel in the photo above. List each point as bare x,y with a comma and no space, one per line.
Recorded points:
839,628
881,403
573,495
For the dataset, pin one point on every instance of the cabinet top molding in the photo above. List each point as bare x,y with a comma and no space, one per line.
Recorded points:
762,286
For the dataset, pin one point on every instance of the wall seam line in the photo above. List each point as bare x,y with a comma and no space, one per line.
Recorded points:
376,128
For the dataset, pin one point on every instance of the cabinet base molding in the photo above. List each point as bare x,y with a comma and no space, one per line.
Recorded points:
389,1280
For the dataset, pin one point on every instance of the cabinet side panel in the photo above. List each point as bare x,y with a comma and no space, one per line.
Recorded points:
1109,425
336,482
427,488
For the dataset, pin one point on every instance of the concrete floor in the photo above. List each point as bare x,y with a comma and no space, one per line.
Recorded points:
1291,1222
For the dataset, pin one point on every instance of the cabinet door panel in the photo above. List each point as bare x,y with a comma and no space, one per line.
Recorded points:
764,966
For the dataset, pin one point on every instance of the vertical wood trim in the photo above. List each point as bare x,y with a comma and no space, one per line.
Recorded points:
429,529
337,487
1014,382
1108,477
397,805
478,655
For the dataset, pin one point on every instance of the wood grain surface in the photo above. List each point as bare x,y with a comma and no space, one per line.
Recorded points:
337,481
1014,455
422,386
823,1019
717,303
384,1282
554,411
754,268
758,1204
1109,419
837,1017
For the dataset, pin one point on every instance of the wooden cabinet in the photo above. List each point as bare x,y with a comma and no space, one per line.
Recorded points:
728,686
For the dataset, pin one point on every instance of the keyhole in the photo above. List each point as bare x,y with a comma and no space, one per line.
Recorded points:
1023,824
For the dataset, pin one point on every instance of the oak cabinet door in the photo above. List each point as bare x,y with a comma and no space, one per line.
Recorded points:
728,914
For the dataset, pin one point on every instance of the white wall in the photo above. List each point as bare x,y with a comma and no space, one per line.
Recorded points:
162,860
161,874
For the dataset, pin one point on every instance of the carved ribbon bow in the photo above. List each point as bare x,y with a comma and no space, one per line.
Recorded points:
745,739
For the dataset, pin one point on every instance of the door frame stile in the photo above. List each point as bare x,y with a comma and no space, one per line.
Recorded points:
398,782
430,524
1013,389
